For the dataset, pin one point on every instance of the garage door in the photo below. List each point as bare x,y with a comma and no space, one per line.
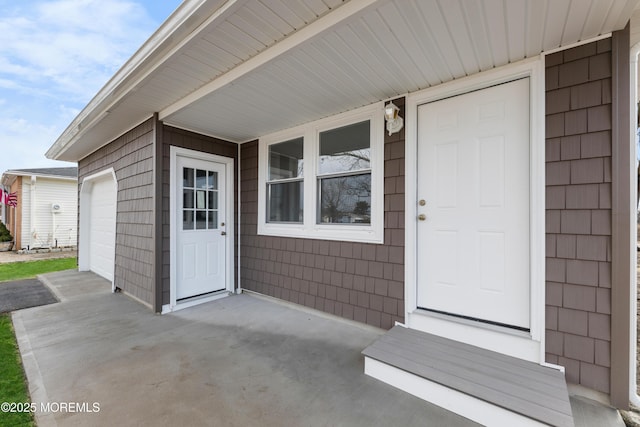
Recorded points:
102,227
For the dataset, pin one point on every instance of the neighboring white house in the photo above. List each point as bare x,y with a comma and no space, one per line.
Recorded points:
47,212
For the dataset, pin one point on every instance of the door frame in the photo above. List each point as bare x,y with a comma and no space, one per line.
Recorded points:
176,152
528,346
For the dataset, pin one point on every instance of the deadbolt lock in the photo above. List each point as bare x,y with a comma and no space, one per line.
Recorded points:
422,202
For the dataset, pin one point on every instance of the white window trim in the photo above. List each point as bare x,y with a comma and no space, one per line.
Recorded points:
373,233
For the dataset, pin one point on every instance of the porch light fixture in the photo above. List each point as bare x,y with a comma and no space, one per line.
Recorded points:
394,121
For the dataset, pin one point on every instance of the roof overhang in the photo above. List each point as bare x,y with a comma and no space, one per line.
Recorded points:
17,173
237,69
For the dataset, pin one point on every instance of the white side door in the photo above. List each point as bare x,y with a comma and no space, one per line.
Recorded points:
473,176
201,256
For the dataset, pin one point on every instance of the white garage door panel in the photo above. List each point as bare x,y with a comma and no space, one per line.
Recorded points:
102,227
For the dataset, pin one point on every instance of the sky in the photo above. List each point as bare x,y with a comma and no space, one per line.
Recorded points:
55,55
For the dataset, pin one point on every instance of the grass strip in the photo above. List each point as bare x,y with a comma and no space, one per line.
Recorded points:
30,269
13,384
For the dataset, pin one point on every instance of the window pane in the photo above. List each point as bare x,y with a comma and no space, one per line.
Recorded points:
213,200
345,199
213,180
285,202
187,220
187,198
213,220
285,159
187,177
200,199
345,149
201,178
201,220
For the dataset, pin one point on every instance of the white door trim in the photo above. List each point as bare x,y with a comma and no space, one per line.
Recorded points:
527,346
84,263
229,193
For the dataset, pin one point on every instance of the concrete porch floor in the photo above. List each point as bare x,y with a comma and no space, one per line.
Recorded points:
237,361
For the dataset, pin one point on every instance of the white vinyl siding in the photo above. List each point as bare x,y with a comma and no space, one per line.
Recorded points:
49,229
61,228
24,204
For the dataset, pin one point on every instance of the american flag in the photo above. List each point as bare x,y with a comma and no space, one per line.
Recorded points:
10,199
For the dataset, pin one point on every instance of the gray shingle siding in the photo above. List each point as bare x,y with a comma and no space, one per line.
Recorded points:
578,268
359,281
131,157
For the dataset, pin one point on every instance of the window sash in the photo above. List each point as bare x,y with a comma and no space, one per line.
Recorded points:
289,206
340,145
345,205
296,164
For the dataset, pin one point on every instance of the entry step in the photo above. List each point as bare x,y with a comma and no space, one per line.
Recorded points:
513,387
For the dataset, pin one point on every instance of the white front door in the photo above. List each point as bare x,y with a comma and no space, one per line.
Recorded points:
473,176
201,256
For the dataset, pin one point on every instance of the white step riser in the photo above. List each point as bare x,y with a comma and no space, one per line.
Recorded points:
460,403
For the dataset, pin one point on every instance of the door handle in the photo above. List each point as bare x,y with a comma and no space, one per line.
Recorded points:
422,217
223,233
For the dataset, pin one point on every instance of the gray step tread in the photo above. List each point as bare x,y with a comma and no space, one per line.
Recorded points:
517,385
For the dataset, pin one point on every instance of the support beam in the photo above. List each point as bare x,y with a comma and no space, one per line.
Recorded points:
622,246
158,146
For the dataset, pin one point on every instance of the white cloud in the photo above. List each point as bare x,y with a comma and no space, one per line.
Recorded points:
54,57
23,144
70,46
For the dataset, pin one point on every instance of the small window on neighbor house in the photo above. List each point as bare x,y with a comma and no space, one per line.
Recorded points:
344,175
285,182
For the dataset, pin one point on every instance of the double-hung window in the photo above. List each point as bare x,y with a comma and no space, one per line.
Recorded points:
324,180
285,182
344,175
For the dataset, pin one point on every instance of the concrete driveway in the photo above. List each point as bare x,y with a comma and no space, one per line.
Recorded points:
238,361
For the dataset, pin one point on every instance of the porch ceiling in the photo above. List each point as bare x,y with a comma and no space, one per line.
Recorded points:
241,69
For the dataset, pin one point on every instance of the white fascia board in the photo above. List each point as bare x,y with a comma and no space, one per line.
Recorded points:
41,175
56,177
347,11
144,62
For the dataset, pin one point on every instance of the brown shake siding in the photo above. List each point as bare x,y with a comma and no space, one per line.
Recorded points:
131,156
193,141
359,281
578,213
